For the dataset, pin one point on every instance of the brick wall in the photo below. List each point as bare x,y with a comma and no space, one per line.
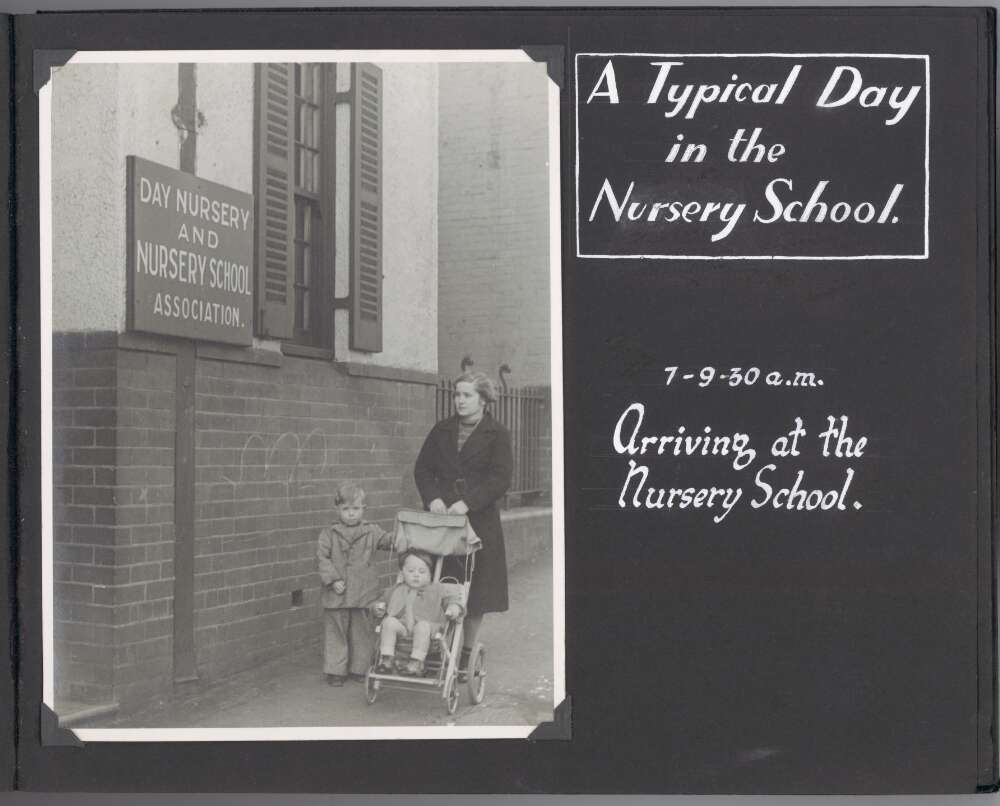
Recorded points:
144,517
271,446
83,399
493,228
271,443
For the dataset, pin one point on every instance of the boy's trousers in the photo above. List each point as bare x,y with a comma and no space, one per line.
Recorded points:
349,640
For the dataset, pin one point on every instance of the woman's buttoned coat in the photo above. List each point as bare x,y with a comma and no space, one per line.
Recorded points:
480,475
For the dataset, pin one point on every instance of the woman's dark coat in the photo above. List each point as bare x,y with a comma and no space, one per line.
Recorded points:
479,474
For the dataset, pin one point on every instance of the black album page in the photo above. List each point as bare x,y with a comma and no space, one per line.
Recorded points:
505,401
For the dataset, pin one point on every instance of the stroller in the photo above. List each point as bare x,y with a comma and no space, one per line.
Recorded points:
439,536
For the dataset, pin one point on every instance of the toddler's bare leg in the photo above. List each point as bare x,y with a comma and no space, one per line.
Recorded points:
392,627
421,639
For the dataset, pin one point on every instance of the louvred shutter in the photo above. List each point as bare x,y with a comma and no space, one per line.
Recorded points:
366,208
275,199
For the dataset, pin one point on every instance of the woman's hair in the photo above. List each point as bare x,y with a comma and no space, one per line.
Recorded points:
347,493
482,384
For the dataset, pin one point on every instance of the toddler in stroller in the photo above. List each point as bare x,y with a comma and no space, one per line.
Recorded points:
414,609
420,634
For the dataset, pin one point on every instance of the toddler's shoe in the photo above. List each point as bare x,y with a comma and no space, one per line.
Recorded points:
336,680
385,665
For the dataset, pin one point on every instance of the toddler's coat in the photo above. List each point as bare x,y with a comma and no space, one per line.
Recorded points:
429,602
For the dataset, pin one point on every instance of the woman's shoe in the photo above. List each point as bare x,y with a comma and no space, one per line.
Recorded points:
336,680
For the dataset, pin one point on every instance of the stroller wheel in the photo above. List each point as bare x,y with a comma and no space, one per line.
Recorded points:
451,695
371,688
477,673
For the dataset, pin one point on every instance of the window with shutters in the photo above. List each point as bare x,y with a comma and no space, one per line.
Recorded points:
296,184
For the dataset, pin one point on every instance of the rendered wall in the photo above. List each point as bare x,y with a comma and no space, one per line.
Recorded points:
409,221
103,113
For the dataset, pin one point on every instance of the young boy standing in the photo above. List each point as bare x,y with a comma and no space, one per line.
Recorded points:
346,553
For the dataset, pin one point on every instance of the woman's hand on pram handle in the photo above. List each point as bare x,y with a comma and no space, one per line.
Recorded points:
437,506
378,609
339,586
458,508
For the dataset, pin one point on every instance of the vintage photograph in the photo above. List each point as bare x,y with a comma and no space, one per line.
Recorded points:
303,396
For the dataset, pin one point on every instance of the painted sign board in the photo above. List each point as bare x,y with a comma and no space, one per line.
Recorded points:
190,255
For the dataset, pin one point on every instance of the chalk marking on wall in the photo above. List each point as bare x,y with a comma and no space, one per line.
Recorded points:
297,476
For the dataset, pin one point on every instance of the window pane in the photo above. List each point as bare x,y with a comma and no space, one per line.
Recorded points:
300,258
308,242
308,142
316,83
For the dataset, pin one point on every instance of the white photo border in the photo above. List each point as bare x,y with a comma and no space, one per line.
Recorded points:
555,278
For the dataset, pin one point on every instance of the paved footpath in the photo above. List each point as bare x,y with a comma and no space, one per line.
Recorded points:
292,691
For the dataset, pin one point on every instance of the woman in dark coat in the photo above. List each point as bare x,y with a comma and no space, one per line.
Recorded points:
465,466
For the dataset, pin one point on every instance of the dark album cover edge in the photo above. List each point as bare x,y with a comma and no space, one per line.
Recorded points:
8,611
988,779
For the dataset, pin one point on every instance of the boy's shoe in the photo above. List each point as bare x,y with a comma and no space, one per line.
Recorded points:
336,680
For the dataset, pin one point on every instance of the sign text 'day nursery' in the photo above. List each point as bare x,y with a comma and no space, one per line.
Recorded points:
190,255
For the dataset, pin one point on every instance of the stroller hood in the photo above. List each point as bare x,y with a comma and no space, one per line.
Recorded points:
435,534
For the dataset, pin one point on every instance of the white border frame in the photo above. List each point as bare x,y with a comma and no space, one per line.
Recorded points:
927,148
555,286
